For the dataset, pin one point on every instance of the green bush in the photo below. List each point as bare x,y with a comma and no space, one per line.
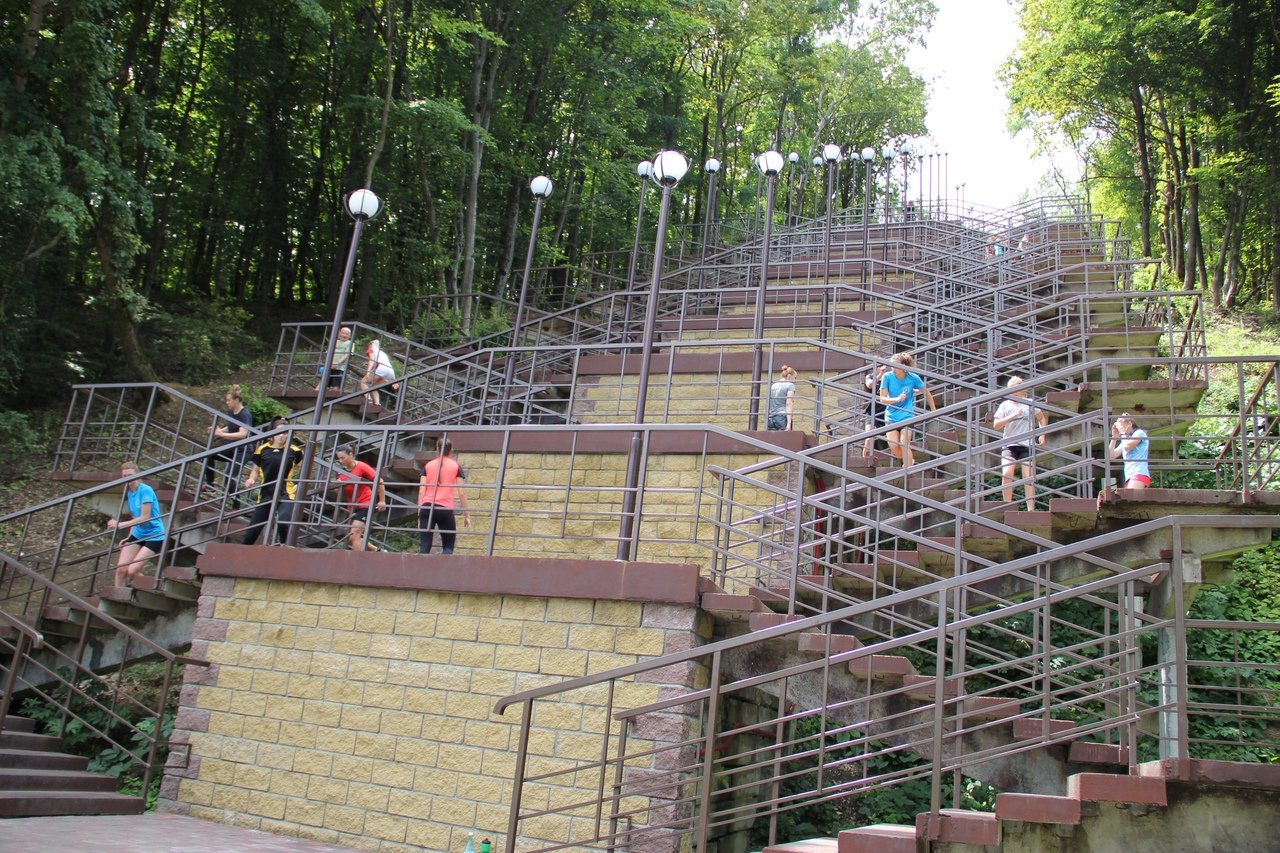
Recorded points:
200,343
264,408
19,439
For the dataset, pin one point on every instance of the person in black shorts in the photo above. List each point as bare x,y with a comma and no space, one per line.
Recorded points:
875,410
1017,419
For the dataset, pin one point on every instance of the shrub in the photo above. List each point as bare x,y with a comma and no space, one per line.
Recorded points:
200,344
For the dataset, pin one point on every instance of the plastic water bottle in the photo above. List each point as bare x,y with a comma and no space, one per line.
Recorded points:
486,847
471,843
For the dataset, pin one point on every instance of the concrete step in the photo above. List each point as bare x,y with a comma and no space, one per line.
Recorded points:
813,845
14,723
36,760
27,779
961,826
29,742
51,803
879,838
1087,752
1115,788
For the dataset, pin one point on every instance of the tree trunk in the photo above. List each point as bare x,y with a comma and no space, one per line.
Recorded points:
1194,252
123,328
1144,170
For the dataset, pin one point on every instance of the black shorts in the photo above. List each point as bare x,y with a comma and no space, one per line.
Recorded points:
1015,452
360,514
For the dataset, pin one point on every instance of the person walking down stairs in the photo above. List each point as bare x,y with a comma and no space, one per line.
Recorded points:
1017,419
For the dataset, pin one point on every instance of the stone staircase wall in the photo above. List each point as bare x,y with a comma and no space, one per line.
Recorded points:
351,698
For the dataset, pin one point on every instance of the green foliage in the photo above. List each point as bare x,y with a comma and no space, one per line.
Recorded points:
895,803
168,170
200,342
1252,595
19,438
1167,106
264,408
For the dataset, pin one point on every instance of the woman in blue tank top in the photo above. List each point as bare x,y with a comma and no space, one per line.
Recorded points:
898,394
146,527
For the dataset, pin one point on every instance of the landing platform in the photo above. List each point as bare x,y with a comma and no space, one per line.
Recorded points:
155,833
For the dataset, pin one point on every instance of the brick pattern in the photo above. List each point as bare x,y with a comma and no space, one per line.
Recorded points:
361,716
722,400
568,506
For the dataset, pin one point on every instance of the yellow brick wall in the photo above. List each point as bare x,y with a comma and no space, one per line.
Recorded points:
698,398
364,717
562,505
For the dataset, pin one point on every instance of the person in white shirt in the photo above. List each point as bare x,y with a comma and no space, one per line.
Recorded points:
1018,419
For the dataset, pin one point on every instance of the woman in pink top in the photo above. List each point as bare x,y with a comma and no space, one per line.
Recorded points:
441,482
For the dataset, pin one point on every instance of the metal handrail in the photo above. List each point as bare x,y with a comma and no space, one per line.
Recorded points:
681,778
60,677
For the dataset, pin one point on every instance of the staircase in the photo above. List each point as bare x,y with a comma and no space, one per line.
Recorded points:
908,615
37,778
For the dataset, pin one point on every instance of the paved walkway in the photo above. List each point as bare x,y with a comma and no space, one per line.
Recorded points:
147,833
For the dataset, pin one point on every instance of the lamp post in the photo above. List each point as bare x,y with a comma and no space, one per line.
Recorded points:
793,215
868,154
770,164
712,168
644,170
946,171
541,188
906,150
818,209
920,185
363,206
831,156
888,154
668,168
931,197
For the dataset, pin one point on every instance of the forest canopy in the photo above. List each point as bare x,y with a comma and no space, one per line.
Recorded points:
1172,104
176,168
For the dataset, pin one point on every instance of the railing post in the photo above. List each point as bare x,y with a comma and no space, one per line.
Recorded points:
939,710
708,753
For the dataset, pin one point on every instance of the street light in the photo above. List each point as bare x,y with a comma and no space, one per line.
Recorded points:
770,164
920,185
363,206
933,205
793,215
541,188
888,154
668,168
644,170
711,167
868,154
817,188
831,156
906,151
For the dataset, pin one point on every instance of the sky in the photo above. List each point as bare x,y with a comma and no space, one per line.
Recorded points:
969,42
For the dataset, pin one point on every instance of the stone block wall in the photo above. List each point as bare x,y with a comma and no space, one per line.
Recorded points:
568,505
723,401
351,696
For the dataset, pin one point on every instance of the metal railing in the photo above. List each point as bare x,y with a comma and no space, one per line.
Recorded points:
957,695
62,676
